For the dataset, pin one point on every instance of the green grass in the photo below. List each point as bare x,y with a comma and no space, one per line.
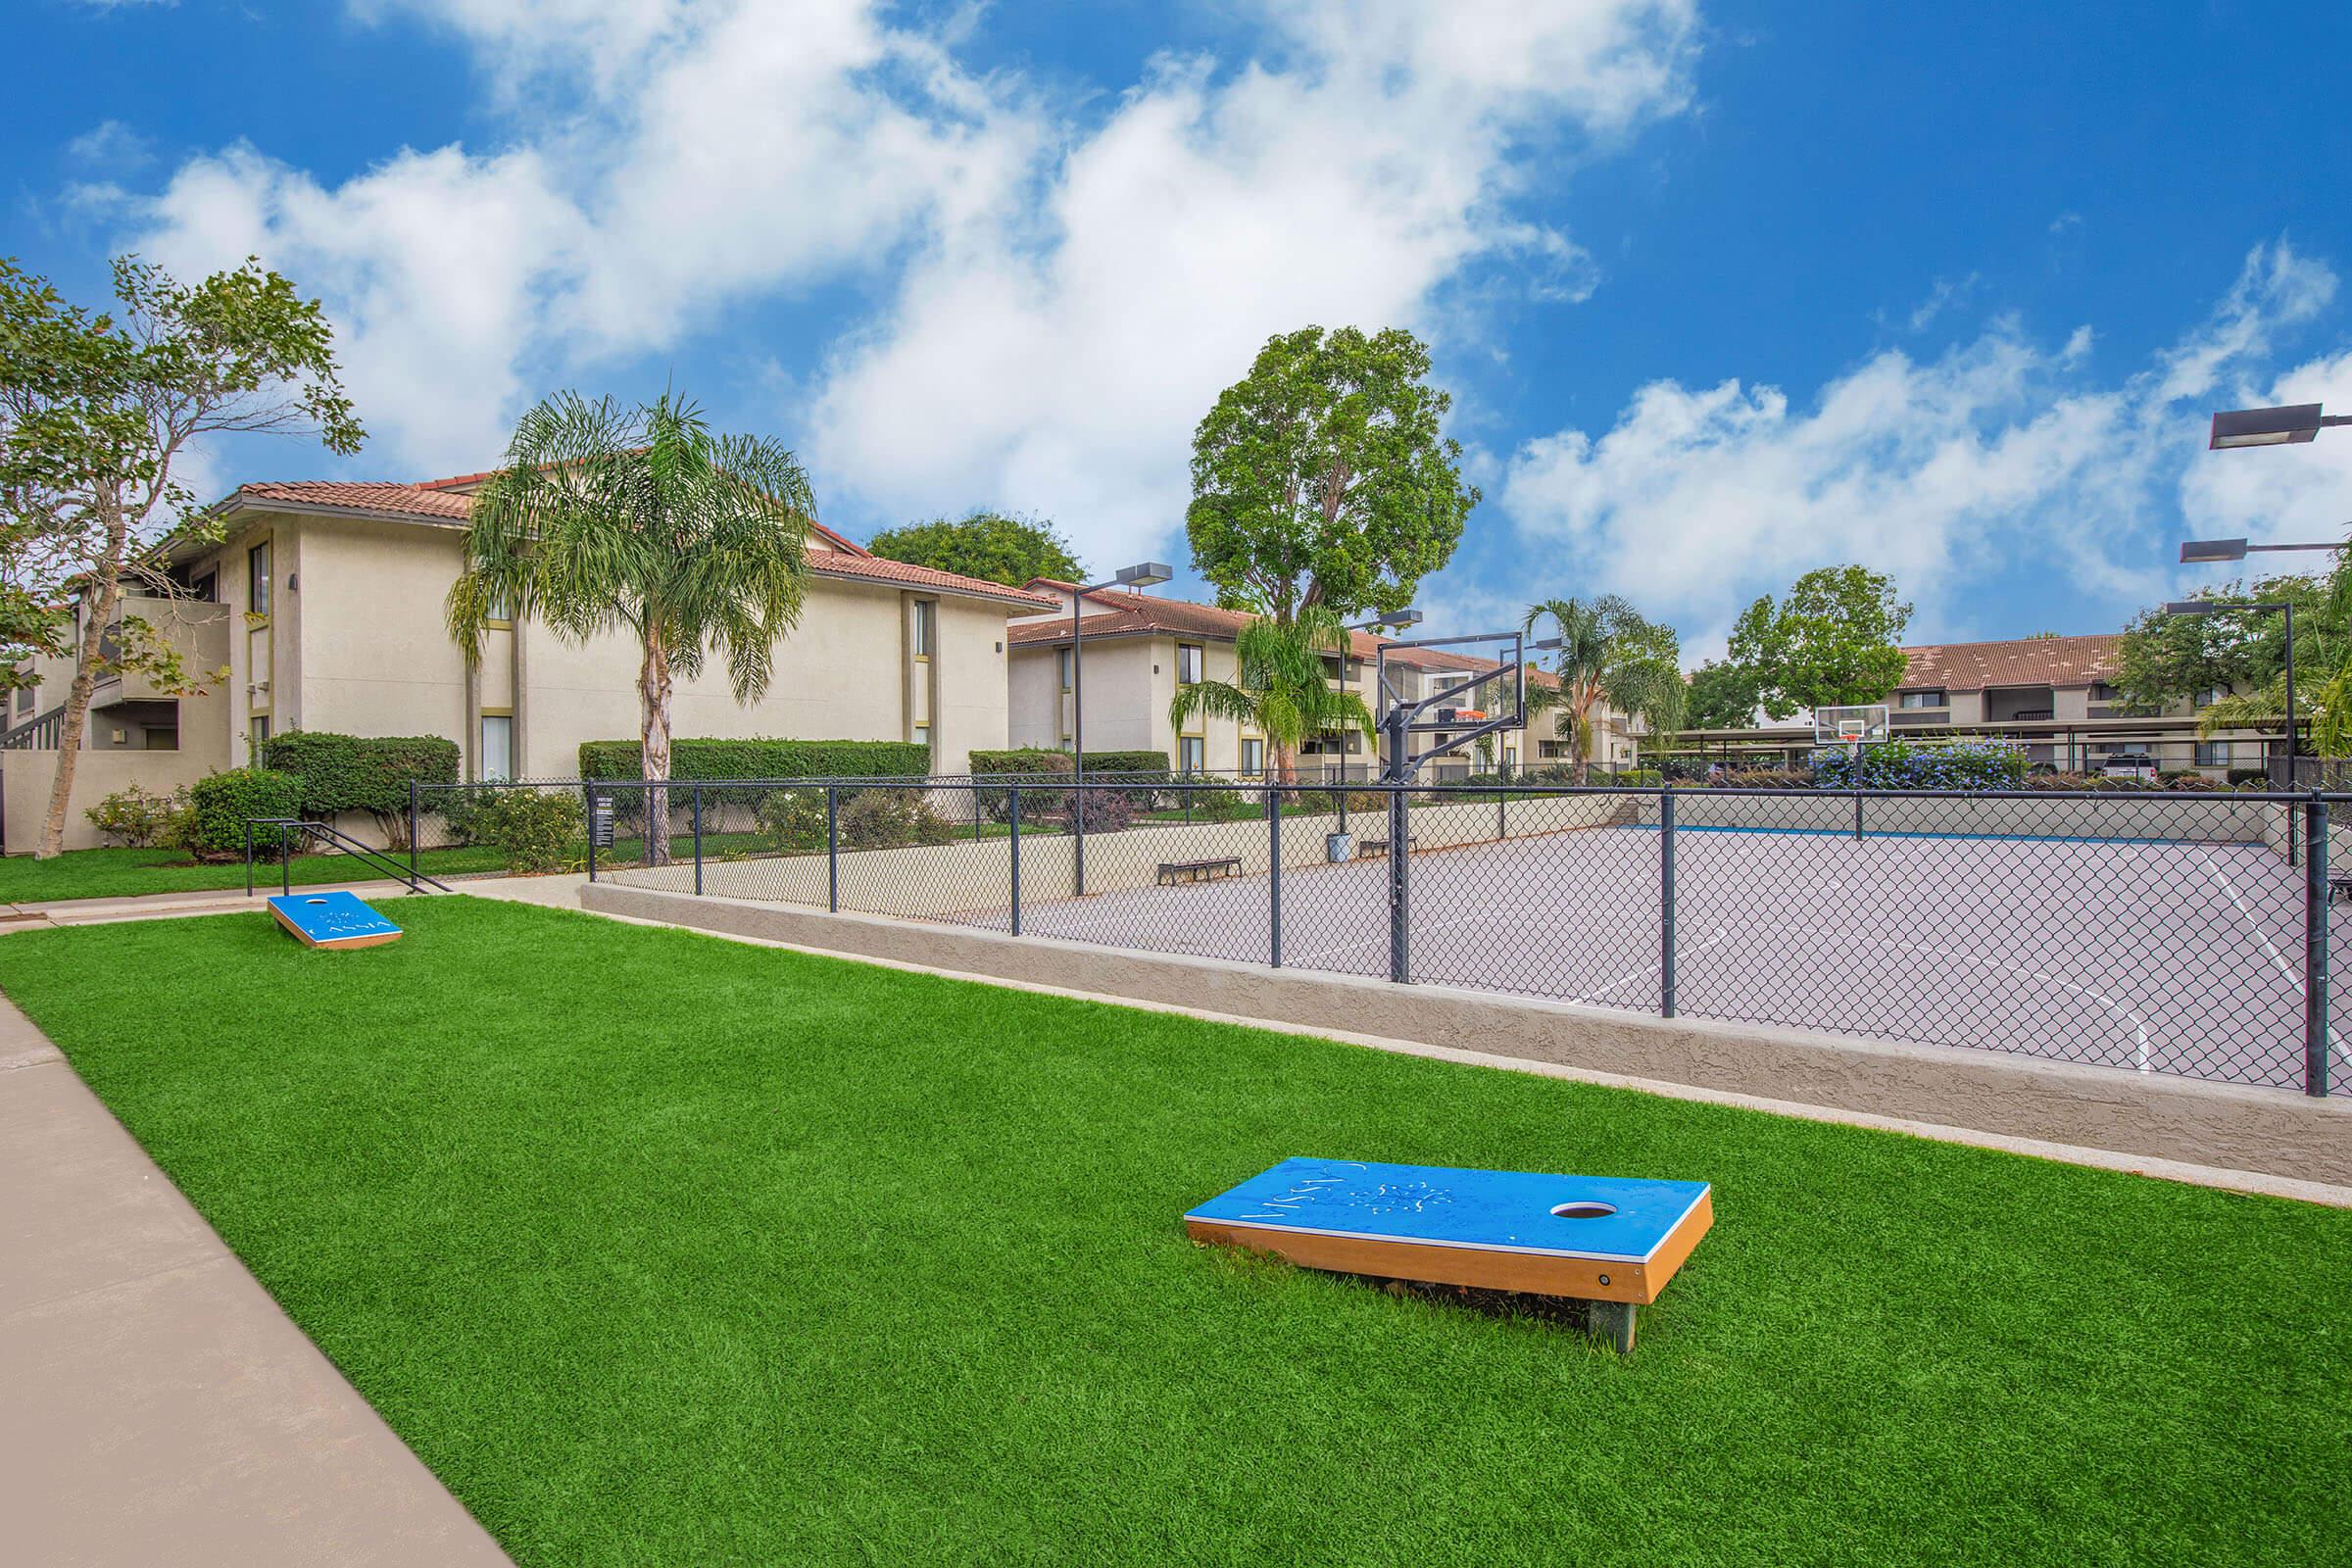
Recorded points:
659,1248
122,873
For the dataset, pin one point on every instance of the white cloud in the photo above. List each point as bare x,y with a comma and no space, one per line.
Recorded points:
1058,360
1067,289
1941,473
111,147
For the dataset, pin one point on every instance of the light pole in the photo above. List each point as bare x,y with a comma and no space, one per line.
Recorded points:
2269,428
2212,552
1144,574
2208,607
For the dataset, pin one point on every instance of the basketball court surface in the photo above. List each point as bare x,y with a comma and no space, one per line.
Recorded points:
2157,956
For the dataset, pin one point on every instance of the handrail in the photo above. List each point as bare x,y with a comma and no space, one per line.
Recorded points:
373,858
22,737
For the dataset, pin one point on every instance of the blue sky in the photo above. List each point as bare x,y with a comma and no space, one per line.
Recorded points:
1723,291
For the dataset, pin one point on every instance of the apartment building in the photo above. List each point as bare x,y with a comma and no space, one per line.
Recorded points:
2054,696
1140,648
322,609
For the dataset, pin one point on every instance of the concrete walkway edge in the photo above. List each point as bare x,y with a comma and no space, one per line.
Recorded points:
160,1407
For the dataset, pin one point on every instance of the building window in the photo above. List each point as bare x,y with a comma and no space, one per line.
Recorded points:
1188,663
2104,693
2212,695
497,745
924,630
260,728
1930,699
257,579
1510,756
1191,754
2213,754
922,735
1061,662
1253,756
24,698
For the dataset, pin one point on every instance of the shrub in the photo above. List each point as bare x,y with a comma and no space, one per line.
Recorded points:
1906,764
1026,762
1107,810
534,831
791,821
888,819
623,762
213,828
138,820
363,774
1150,770
2259,778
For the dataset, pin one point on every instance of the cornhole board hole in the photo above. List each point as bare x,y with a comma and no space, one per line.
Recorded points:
1610,1242
336,919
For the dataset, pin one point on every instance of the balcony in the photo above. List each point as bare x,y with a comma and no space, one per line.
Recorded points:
197,628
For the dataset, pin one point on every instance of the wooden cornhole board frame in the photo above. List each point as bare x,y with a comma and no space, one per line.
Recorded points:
334,920
1487,1229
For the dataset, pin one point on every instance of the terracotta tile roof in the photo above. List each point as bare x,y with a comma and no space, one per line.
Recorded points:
859,564
444,501
1129,614
407,500
2023,662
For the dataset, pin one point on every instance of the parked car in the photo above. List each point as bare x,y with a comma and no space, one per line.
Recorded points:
2129,764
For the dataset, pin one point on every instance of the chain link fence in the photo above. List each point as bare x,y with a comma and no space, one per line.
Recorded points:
2183,932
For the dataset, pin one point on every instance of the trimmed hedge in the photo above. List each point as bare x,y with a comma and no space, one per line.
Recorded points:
624,760
214,826
367,774
1929,766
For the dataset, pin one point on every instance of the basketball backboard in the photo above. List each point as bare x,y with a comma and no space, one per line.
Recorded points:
1845,726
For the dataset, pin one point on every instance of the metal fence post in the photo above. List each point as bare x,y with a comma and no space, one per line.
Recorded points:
2315,946
286,862
698,841
249,856
415,816
1013,820
1078,825
1400,962
833,849
589,790
1666,975
1274,875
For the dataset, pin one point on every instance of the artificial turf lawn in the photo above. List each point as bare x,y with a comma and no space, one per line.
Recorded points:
661,1248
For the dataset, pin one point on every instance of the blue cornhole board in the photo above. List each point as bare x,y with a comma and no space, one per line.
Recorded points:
1610,1241
333,920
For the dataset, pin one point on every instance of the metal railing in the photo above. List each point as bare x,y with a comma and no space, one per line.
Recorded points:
39,733
287,829
2183,932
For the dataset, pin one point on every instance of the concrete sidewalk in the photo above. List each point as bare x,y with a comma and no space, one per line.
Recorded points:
159,1407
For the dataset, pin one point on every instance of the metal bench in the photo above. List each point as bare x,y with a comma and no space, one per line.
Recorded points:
1377,849
2339,886
1172,873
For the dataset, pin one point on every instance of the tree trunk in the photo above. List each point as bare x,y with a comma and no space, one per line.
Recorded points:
652,695
1579,740
102,605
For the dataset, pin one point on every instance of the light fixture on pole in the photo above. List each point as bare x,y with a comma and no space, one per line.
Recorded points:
2210,551
1143,574
2209,606
2269,428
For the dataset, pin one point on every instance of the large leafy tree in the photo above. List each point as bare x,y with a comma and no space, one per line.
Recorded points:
1723,696
1281,685
607,519
98,413
984,544
2165,658
1610,653
1324,476
1834,640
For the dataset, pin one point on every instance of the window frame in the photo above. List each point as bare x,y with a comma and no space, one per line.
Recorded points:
261,591
1942,698
1199,664
922,629
1191,755
481,742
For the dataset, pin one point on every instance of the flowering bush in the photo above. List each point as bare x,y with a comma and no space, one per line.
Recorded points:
1925,766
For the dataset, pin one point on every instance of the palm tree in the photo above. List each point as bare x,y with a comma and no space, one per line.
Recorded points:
605,519
1281,685
1608,653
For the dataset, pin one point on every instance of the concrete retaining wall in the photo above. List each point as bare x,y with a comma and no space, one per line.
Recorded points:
951,878
2236,1128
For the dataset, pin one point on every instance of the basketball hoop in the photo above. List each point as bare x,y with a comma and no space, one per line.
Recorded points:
1850,730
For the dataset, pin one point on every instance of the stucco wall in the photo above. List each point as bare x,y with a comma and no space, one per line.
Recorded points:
26,777
953,878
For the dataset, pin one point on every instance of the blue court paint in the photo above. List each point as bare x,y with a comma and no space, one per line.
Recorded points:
1996,838
332,919
1491,1211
